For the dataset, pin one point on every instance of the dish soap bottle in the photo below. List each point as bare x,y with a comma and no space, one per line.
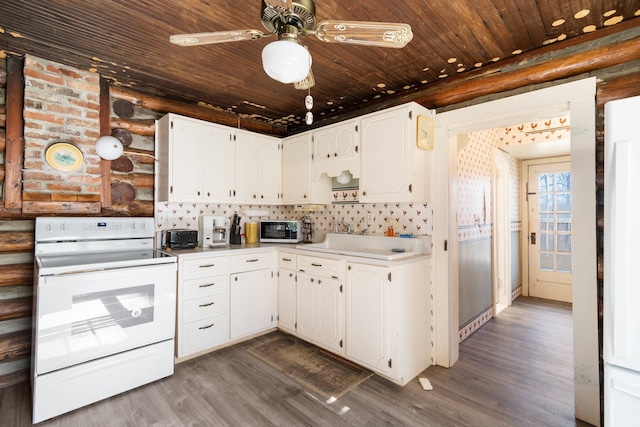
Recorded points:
390,232
336,225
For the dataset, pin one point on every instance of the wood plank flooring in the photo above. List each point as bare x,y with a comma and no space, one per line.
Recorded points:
515,371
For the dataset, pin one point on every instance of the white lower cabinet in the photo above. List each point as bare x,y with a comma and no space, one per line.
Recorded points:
203,303
253,306
368,316
287,291
320,308
387,318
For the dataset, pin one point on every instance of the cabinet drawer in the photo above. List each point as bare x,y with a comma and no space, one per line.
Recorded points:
286,260
251,261
320,266
202,286
204,333
206,306
202,267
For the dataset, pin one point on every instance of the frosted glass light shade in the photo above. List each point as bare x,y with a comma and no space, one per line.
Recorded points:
344,177
108,147
286,61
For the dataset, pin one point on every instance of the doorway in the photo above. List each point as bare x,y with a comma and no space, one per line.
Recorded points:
578,98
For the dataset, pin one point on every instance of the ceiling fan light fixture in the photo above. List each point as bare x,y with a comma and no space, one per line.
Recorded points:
286,61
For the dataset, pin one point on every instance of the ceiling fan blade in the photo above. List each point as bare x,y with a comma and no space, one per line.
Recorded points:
381,34
280,4
307,83
195,39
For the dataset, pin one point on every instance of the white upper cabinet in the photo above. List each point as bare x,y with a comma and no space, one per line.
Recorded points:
189,154
257,168
298,187
335,148
394,168
200,161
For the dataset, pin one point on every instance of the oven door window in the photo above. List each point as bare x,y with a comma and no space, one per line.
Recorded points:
84,316
107,312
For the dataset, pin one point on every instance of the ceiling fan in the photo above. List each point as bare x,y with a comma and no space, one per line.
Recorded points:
286,60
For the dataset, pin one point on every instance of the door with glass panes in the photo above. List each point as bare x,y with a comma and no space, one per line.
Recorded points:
549,206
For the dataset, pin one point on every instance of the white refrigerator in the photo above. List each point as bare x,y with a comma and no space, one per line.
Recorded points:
622,263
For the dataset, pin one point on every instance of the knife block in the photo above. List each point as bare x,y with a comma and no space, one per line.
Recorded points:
236,235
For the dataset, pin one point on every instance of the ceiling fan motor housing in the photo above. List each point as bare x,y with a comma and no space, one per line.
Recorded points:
302,16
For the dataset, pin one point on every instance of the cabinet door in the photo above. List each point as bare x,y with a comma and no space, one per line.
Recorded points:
385,174
269,170
320,311
335,148
287,300
295,170
218,158
247,162
250,306
367,316
186,160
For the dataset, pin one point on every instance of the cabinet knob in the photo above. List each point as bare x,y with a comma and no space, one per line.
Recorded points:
254,196
198,193
328,155
208,194
305,196
335,154
262,196
311,280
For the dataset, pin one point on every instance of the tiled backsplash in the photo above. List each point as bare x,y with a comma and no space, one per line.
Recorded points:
410,218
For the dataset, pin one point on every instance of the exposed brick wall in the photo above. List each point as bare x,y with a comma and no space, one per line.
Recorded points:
61,105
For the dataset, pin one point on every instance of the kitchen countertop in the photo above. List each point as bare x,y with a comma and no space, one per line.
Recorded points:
288,247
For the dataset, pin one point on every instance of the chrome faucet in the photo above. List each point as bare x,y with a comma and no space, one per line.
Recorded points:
346,225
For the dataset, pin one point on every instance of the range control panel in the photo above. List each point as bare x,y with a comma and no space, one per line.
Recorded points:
60,229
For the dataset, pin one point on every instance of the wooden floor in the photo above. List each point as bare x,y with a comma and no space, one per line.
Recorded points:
515,371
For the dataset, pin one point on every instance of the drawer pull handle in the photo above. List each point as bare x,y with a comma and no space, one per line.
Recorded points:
316,265
207,327
253,260
286,259
206,285
207,266
207,304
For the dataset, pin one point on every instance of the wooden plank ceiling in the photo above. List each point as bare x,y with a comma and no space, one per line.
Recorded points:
128,42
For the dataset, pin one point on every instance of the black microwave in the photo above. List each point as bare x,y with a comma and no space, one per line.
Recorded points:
280,231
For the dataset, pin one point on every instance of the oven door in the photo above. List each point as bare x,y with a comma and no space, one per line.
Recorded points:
85,316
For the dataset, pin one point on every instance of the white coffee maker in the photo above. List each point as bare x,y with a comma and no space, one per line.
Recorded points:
213,230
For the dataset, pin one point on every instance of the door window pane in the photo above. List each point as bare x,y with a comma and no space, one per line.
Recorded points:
564,263
563,181
563,202
564,243
546,202
546,242
545,184
546,222
563,221
546,261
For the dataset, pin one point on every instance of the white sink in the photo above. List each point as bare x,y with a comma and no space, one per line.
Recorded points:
371,246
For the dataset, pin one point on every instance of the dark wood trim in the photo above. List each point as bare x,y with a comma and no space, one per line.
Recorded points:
16,308
71,208
105,129
16,275
14,151
15,345
162,105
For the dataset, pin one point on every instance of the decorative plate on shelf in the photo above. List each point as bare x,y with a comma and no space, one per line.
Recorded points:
64,156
